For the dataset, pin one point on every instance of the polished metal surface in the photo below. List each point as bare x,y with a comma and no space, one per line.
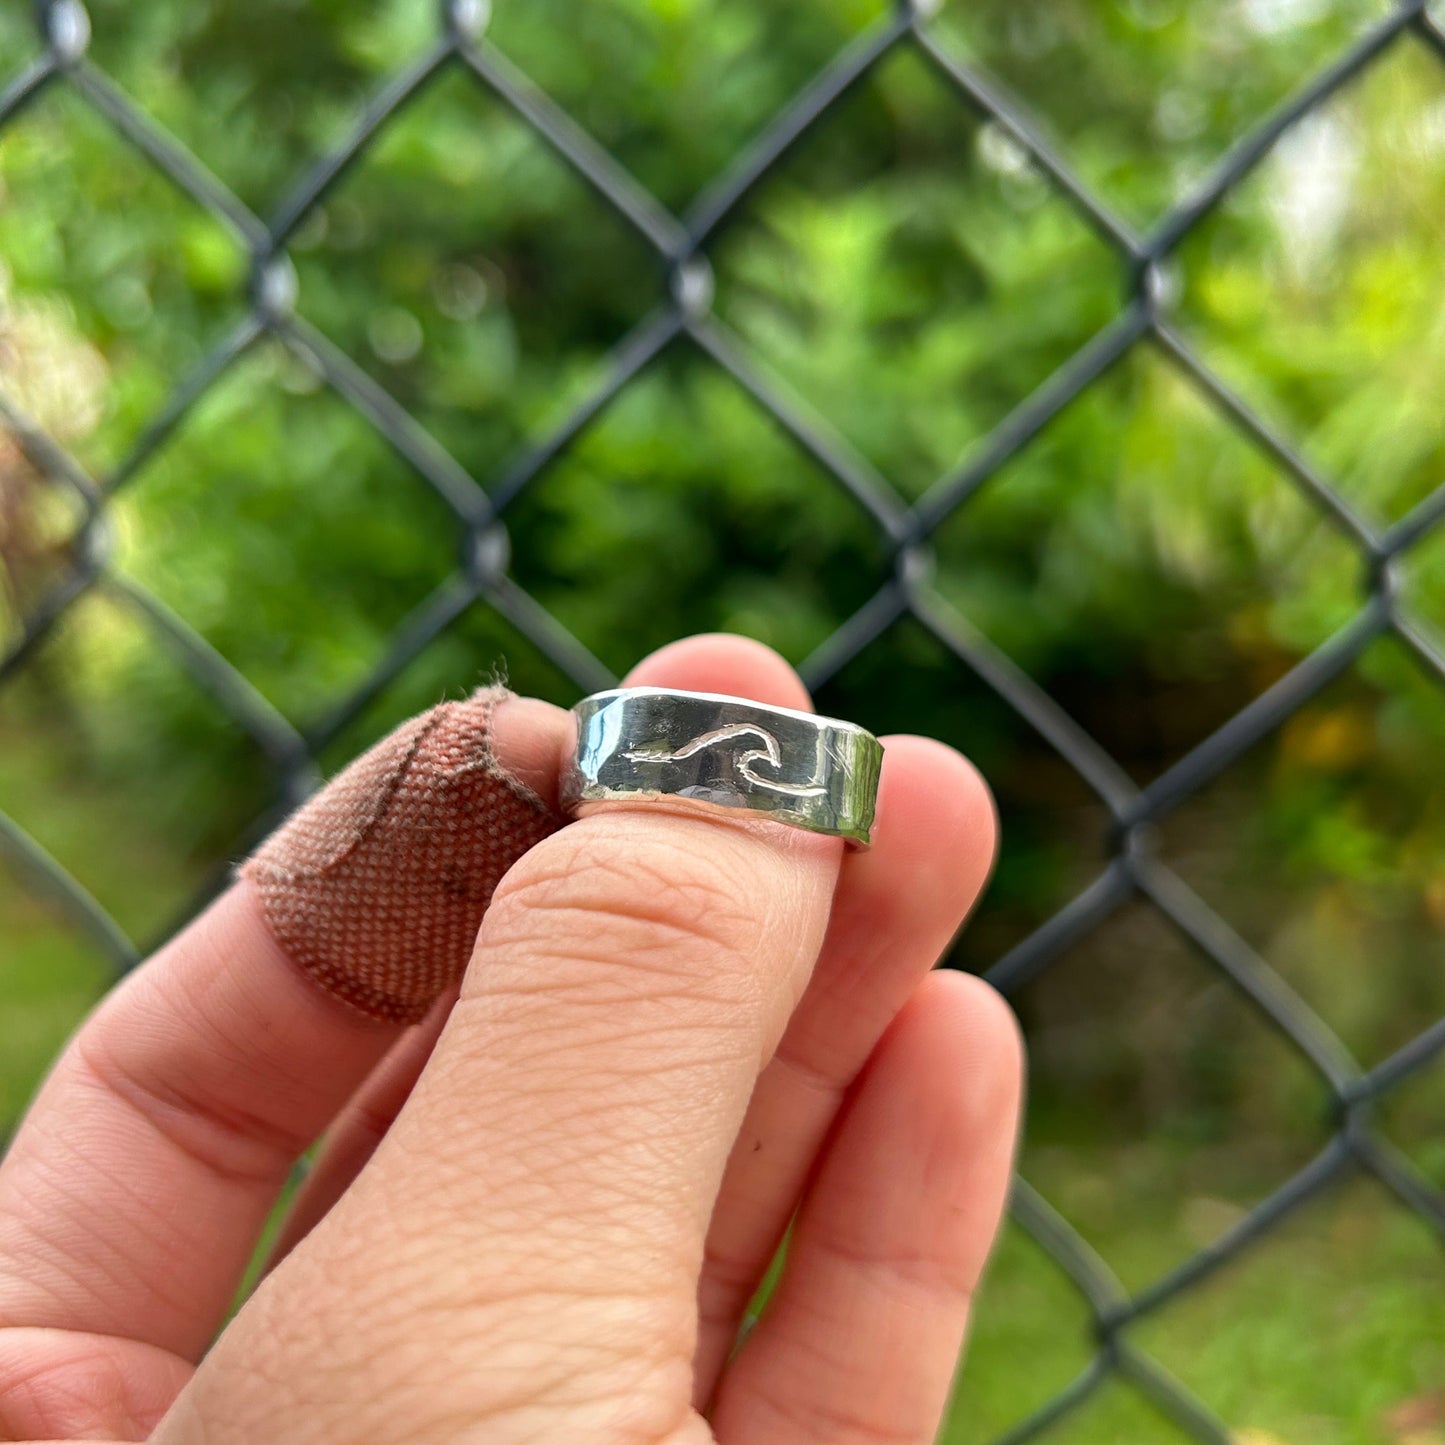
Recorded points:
721,752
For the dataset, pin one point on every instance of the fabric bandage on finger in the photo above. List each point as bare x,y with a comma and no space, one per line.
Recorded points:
376,886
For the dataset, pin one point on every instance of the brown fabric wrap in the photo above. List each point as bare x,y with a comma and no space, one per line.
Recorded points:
376,886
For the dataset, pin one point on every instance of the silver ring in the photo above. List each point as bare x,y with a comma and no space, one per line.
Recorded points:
721,752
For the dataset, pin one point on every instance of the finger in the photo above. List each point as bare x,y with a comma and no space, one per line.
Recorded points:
75,1386
896,909
709,662
58,1383
541,1202
722,663
136,1188
158,1144
361,1125
860,1340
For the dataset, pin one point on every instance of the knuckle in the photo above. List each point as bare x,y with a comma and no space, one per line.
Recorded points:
665,902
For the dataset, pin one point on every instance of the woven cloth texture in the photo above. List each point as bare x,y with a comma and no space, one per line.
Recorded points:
376,886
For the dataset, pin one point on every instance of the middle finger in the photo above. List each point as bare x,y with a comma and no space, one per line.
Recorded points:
895,910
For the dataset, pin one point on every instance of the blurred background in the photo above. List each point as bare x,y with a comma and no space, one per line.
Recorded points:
900,285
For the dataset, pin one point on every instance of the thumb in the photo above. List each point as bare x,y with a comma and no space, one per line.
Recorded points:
523,1251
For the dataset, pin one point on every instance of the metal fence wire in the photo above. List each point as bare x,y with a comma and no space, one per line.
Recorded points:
1132,871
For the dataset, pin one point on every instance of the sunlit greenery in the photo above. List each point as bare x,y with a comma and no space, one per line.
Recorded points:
908,276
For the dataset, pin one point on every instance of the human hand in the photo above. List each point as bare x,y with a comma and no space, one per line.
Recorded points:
541,1213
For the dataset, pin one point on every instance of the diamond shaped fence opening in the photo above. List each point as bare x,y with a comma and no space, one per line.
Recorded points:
63,545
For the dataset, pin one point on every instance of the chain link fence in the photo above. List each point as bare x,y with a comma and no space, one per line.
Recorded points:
1134,872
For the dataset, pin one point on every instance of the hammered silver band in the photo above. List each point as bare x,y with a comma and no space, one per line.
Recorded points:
721,752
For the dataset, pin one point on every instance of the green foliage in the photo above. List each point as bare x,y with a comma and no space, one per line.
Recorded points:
907,274
1325,1333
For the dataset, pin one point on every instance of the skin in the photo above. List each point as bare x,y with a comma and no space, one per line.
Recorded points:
541,1214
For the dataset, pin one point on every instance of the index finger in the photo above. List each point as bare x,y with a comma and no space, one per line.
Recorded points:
135,1190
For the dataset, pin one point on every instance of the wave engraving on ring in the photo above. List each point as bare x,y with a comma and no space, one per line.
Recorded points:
770,753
